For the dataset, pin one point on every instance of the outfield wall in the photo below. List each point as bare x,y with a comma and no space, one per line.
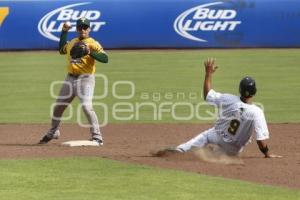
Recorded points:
154,23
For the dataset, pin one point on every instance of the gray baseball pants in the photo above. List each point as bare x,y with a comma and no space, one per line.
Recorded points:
82,87
210,136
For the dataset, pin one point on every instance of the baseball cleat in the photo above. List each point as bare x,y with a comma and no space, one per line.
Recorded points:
99,141
167,151
45,140
49,137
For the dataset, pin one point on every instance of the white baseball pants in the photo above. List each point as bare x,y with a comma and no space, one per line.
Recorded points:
82,87
209,136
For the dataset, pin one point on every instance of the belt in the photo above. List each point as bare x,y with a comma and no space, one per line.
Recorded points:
73,75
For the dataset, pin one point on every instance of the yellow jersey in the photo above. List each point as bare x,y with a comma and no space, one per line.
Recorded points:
85,64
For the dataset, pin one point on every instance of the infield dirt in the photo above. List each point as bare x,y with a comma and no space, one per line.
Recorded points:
134,142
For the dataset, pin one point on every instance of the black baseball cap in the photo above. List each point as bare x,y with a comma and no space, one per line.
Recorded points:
83,22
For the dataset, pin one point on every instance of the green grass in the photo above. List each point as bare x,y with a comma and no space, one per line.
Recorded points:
95,178
25,79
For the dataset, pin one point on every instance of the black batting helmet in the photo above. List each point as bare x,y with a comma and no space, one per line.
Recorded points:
247,87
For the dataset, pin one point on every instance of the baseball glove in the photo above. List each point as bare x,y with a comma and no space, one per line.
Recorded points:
79,50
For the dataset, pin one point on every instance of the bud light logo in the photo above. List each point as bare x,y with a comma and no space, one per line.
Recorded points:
203,18
51,24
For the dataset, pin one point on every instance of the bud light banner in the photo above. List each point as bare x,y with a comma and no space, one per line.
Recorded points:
153,24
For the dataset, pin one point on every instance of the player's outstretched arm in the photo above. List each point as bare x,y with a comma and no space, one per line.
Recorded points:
210,68
99,56
263,147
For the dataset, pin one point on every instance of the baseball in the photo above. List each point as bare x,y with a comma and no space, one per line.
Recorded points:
67,24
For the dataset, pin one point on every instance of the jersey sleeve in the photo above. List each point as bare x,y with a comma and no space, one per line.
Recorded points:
63,50
214,98
62,42
96,47
260,126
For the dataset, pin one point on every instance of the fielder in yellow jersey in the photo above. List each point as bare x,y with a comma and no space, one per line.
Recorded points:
80,81
86,64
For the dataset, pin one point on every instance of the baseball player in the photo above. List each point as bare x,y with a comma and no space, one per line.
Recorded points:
238,118
80,81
